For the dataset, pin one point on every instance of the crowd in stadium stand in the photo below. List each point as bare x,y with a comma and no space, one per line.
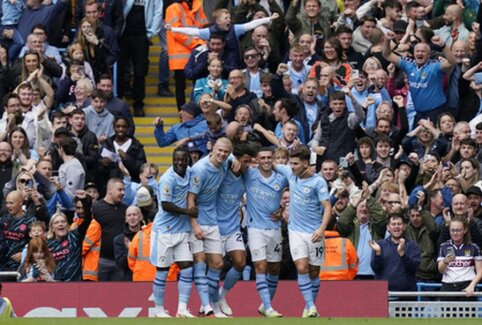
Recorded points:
323,139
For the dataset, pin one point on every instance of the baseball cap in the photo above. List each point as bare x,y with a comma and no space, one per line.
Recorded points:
144,197
191,108
91,185
474,190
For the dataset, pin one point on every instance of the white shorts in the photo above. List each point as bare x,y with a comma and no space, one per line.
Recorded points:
211,243
265,244
169,248
301,246
233,242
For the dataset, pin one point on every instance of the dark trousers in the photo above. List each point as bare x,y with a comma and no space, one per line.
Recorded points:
134,49
431,115
456,287
109,271
180,80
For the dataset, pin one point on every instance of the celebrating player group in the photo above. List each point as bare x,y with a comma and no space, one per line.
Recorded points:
199,221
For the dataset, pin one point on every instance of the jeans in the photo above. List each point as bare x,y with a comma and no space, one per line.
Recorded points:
163,75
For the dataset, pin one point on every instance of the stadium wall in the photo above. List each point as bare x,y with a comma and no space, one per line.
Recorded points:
128,299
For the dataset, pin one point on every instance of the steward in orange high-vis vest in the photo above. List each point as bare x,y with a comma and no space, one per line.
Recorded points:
341,260
138,258
91,252
179,46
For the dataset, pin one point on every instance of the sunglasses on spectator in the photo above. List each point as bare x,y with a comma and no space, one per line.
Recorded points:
250,56
24,180
393,202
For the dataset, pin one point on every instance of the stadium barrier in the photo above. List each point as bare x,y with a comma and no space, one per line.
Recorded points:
129,299
433,309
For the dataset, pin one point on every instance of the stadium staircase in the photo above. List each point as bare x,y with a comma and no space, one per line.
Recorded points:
164,107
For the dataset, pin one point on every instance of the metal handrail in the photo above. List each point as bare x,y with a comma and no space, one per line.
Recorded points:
431,294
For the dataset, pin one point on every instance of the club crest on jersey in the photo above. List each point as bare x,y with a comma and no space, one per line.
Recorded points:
196,180
277,187
166,189
22,227
65,243
468,252
306,189
423,75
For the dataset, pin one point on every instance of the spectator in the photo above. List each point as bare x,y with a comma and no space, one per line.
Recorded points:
180,46
459,261
212,84
88,139
93,48
71,172
39,263
196,67
395,258
337,125
142,21
15,231
123,240
110,12
115,105
363,221
191,123
127,150
427,93
104,31
97,118
341,260
109,214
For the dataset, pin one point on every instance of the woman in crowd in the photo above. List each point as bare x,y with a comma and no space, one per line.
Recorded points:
93,48
469,173
332,55
21,149
66,244
459,261
213,84
209,105
39,264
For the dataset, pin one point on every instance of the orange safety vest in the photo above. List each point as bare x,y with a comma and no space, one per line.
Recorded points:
346,77
179,46
138,258
91,252
341,260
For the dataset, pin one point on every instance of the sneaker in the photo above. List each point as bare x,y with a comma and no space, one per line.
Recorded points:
312,312
219,314
163,314
305,313
201,313
261,310
185,314
272,314
209,314
163,91
223,305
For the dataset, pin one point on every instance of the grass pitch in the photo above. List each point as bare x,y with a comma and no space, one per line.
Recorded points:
232,321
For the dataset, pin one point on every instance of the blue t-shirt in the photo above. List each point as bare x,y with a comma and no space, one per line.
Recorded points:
263,196
172,188
205,181
228,203
306,211
425,84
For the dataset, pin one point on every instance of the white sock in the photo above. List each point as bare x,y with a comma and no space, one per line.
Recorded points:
182,307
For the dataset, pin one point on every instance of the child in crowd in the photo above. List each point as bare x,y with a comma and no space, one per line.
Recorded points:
216,131
39,264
